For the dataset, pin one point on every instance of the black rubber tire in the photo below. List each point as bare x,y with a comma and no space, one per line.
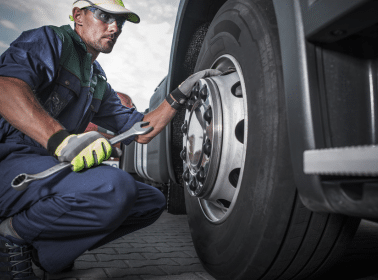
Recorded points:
269,233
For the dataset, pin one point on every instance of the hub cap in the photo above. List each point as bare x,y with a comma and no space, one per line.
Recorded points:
214,134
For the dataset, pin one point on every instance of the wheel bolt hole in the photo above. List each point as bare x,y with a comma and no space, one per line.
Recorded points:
239,131
224,203
233,177
236,90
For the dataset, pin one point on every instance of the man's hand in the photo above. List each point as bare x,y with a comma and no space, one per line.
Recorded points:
83,150
179,96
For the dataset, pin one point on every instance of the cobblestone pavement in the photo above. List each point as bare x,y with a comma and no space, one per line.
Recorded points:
162,251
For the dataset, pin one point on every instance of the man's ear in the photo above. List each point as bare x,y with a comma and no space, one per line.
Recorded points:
77,15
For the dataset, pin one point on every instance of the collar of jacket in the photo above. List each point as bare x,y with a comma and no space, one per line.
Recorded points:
97,69
75,37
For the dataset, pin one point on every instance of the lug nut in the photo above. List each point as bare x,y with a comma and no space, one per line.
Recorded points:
185,175
189,104
183,154
208,115
193,184
184,127
195,90
207,148
201,175
203,93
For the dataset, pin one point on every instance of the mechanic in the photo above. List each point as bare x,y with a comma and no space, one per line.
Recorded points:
51,87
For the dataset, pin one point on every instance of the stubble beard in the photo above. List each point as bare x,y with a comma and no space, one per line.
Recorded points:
97,46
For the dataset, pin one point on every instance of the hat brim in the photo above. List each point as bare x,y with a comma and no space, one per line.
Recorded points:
110,8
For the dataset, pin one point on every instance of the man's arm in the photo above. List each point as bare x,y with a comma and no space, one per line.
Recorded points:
22,110
163,114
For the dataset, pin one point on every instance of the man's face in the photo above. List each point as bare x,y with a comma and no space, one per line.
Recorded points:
97,35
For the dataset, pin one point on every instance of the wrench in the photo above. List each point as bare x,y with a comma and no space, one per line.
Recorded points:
22,181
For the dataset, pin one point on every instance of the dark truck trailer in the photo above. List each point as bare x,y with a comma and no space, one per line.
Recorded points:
276,158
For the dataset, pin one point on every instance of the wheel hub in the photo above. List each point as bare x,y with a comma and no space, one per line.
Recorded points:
202,134
213,139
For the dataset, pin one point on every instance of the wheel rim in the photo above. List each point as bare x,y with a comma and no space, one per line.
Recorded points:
214,140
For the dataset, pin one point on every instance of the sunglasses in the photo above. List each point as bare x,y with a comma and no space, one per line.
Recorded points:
106,17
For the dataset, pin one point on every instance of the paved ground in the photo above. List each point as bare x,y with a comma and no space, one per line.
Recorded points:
164,251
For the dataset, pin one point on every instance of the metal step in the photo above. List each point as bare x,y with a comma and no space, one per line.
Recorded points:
345,161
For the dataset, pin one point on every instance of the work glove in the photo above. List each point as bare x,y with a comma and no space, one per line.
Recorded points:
82,150
178,97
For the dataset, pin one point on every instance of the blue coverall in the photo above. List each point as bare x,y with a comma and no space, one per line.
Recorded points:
68,213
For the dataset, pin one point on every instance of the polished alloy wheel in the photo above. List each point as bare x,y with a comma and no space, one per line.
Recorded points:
214,144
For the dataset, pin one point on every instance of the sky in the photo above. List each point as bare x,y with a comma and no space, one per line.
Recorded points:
140,58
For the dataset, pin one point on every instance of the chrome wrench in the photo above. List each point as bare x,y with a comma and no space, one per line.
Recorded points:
22,181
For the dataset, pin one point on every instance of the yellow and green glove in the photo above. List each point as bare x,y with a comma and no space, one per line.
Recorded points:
82,150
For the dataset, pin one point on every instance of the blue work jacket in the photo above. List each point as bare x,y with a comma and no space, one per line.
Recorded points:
55,63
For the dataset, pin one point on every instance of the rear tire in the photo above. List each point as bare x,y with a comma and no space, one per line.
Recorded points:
266,232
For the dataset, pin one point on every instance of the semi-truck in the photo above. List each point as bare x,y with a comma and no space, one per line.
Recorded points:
275,161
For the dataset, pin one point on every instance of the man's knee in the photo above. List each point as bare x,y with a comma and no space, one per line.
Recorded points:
151,200
113,197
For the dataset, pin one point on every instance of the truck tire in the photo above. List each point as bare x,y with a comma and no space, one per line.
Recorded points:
263,231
